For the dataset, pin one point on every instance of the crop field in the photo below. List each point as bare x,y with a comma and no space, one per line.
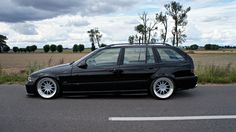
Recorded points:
208,64
20,61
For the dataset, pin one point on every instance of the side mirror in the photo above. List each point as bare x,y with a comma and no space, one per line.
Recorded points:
83,65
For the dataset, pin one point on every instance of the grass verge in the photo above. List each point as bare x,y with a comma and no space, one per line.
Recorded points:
216,74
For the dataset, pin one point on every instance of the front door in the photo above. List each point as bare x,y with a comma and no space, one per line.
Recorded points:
100,73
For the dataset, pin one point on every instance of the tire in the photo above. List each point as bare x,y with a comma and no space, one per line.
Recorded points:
162,88
48,88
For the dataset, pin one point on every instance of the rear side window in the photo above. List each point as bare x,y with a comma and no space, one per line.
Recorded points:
138,55
169,55
134,56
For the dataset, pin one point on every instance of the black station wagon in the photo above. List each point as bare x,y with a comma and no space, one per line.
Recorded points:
158,69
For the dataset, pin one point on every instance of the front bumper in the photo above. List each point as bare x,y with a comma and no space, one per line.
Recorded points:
30,88
187,82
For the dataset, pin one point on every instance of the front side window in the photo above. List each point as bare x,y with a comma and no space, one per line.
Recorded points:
169,55
107,57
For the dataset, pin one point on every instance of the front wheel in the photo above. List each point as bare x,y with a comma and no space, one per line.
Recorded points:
162,88
48,88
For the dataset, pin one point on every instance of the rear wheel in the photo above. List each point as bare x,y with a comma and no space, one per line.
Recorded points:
48,88
162,88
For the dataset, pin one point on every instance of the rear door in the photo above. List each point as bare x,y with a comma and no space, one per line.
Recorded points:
137,65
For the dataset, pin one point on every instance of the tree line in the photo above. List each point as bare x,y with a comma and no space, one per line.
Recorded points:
209,47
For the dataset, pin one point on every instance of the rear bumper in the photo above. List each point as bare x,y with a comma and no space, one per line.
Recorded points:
30,88
183,83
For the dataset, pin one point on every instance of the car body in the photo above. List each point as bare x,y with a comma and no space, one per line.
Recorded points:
156,68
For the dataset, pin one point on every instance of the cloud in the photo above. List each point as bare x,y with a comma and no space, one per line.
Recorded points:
77,23
33,10
215,18
25,28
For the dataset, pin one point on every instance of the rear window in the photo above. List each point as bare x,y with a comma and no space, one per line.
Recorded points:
169,55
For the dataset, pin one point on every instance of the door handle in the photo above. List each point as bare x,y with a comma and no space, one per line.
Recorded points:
115,70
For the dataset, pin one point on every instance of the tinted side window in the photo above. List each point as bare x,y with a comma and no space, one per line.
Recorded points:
107,57
167,55
134,56
150,56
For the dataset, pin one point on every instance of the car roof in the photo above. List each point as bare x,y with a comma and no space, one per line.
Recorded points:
139,45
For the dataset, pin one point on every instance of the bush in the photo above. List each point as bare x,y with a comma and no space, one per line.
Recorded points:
22,50
103,45
59,48
6,48
53,47
194,47
46,48
211,47
81,47
75,48
15,49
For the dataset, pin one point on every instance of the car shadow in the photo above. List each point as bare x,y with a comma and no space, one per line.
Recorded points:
177,95
106,96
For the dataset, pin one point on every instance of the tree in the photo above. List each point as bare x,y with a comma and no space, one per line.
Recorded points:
162,18
93,47
15,49
80,47
53,48
46,48
140,29
131,39
59,48
6,48
95,36
33,48
98,36
2,42
75,48
211,47
145,28
179,15
28,48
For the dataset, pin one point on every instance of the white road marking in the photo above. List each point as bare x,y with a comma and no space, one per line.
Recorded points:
174,118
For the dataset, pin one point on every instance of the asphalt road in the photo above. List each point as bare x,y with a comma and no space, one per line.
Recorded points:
19,112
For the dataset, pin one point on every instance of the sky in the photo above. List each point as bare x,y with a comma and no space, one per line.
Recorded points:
66,22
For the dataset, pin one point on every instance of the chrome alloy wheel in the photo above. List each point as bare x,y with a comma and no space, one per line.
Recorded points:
163,88
46,88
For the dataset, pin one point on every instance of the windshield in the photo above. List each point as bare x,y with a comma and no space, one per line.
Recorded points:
84,56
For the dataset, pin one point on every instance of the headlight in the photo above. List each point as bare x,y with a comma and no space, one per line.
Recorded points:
29,79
